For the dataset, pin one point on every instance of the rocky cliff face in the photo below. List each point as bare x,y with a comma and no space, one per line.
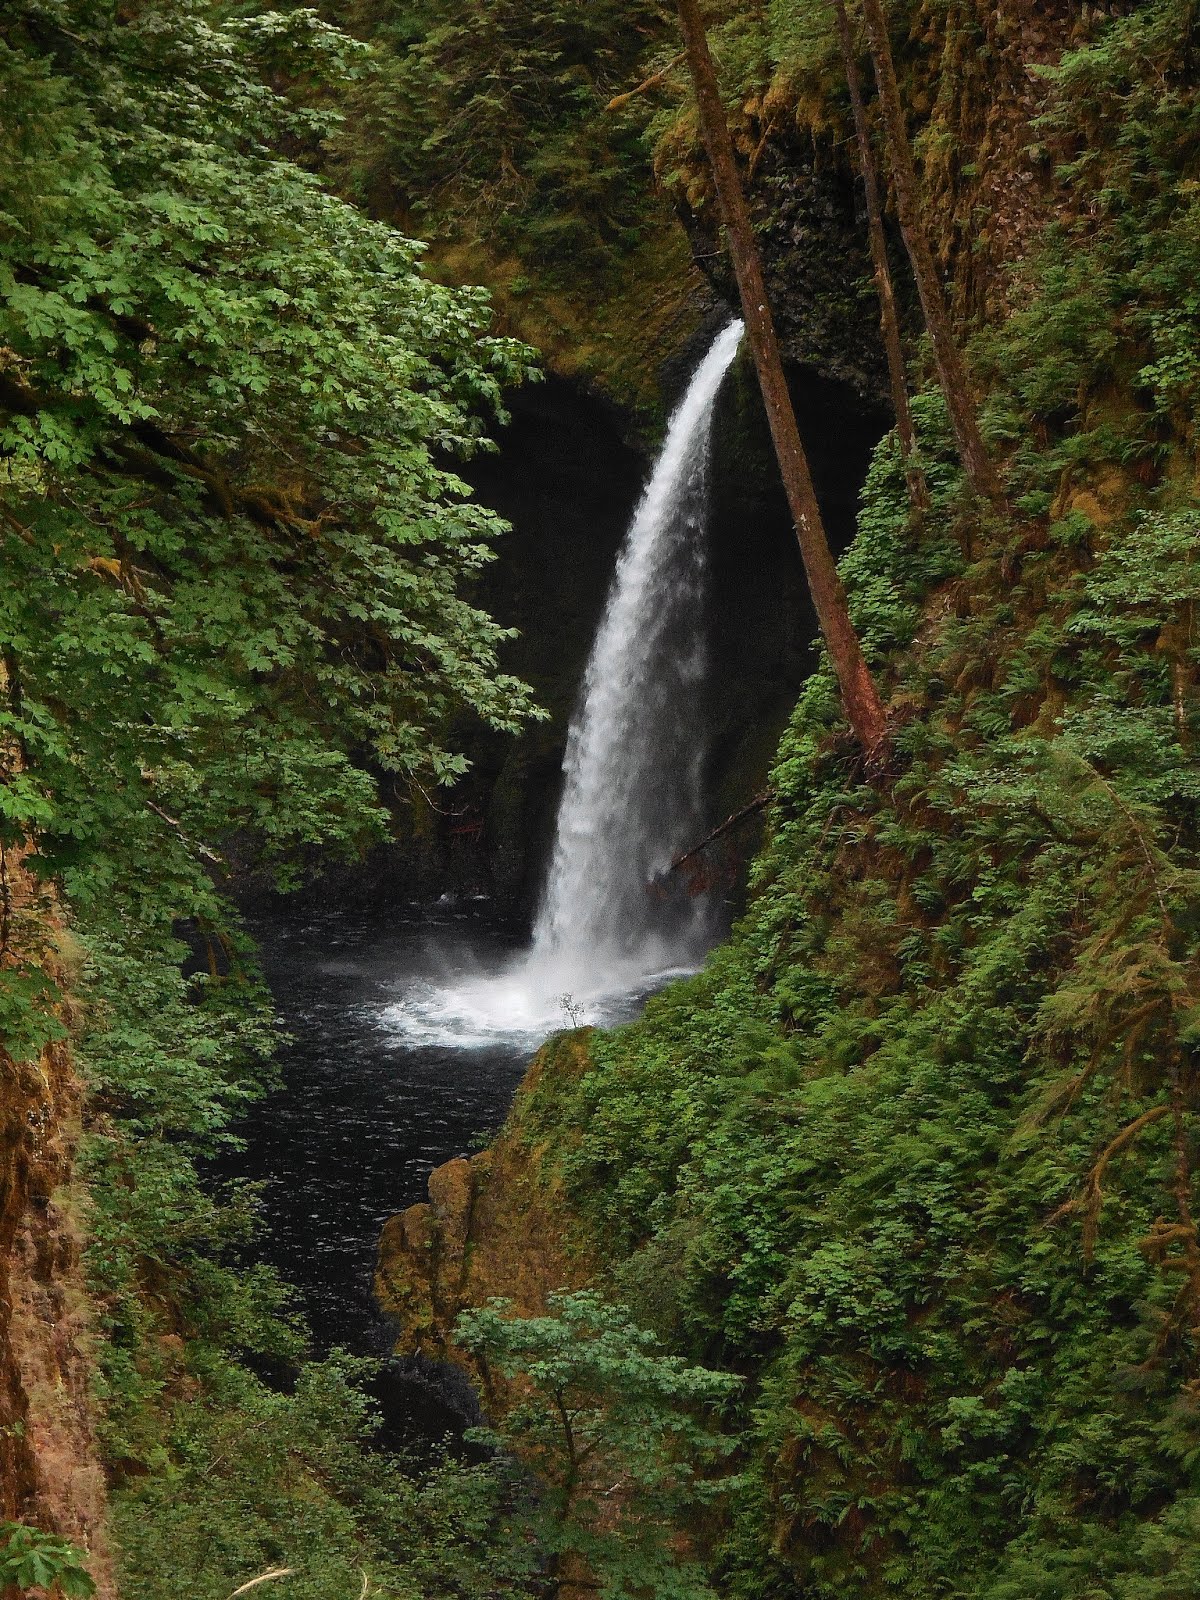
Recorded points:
50,1472
971,77
567,480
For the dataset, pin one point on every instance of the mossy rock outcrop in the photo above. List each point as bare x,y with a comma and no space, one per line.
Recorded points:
495,1225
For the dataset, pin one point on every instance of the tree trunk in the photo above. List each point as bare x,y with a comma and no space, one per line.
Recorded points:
952,372
889,321
859,695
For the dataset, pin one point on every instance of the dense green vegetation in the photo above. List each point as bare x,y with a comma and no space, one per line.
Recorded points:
916,1155
619,1434
237,563
256,1481
906,1178
544,129
32,1559
488,131
494,119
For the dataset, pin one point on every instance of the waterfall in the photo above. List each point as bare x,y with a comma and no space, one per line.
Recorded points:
635,750
612,922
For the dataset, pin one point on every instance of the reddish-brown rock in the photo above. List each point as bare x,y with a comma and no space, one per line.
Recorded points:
494,1225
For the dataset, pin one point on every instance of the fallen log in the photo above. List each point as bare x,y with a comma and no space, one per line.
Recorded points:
652,82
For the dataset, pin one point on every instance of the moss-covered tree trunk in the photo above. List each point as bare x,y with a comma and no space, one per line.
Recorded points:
860,697
889,319
952,372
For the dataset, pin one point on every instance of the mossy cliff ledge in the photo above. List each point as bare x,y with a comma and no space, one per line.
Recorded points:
494,1225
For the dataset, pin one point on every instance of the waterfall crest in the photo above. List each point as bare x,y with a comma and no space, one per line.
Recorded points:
611,923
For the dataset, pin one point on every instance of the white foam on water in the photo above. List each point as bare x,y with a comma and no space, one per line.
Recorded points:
523,1002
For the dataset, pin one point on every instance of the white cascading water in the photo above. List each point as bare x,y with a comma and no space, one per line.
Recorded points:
611,922
634,752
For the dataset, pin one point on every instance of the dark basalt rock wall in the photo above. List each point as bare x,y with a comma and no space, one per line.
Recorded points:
761,623
811,229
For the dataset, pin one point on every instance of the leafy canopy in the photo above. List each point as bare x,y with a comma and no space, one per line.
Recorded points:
234,545
31,1559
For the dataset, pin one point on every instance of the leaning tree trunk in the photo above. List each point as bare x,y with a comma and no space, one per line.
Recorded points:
859,694
952,372
889,321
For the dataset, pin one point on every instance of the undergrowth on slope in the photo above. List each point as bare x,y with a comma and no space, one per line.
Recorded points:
260,1482
916,1150
916,1153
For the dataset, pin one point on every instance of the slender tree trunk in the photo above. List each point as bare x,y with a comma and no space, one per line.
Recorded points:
951,369
859,695
889,321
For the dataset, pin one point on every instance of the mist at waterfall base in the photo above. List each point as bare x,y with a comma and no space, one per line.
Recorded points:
614,922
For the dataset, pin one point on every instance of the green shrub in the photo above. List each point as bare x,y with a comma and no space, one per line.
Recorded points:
31,1559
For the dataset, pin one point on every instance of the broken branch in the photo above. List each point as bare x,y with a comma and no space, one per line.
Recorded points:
759,803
